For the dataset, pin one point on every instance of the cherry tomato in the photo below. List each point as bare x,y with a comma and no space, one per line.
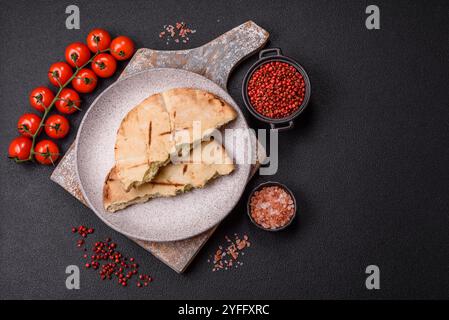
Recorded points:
69,101
59,73
40,98
29,124
104,65
77,54
85,81
122,48
57,126
46,152
98,40
20,148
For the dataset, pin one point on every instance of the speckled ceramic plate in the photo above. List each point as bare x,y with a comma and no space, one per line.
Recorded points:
162,219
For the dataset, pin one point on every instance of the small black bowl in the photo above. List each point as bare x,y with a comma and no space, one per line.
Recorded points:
266,56
269,184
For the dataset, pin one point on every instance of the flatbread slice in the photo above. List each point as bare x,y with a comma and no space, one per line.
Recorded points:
143,141
172,179
160,126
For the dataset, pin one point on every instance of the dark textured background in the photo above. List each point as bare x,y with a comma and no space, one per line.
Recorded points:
368,160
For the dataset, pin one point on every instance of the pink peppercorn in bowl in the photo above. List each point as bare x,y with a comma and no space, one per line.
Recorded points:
271,206
276,89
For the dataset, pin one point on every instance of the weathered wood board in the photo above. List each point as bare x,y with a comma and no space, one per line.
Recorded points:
214,60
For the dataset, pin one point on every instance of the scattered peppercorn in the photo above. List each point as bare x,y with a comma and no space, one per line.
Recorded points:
276,90
109,261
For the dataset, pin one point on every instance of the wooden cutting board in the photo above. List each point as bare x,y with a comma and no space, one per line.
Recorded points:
214,60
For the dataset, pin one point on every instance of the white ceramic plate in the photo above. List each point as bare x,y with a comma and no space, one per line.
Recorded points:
163,219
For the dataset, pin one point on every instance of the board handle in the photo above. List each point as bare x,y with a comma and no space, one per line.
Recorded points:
225,52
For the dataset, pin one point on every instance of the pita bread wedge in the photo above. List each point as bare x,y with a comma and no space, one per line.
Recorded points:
160,126
172,179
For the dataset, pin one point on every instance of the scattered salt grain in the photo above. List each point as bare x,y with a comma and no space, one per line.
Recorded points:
176,33
227,258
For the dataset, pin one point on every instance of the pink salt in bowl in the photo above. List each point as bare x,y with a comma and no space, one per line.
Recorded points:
271,184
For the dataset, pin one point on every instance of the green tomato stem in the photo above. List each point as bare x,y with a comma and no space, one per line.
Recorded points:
56,98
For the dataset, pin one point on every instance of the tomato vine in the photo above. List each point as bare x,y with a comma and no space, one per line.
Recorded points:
50,107
79,56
